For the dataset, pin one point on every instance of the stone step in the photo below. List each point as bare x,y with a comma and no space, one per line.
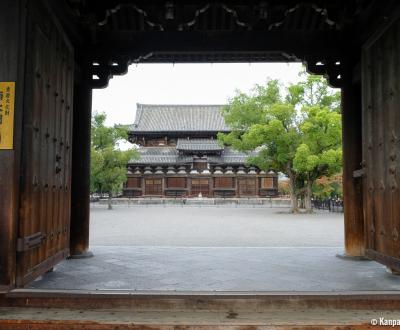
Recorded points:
203,300
260,202
73,309
318,318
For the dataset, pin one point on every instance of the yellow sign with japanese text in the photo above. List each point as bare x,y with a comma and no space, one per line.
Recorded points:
7,100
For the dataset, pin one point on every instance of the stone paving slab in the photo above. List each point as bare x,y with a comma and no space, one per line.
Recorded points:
221,249
213,226
218,269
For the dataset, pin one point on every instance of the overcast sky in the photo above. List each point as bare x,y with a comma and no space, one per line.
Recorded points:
184,84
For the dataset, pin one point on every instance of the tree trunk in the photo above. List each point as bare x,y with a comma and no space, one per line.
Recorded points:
308,196
110,201
294,208
301,204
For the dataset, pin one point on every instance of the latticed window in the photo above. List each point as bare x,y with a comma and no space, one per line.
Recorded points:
267,183
153,186
176,182
247,187
224,182
200,186
134,183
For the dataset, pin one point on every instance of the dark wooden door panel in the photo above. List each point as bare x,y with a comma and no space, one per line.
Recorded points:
153,186
247,186
46,159
381,146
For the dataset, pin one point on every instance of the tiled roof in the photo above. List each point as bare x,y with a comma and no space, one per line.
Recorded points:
160,155
170,156
198,145
178,118
229,156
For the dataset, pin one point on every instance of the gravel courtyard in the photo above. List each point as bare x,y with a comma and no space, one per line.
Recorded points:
216,249
214,227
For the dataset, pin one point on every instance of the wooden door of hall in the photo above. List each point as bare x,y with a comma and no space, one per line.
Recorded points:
44,216
247,187
200,186
381,146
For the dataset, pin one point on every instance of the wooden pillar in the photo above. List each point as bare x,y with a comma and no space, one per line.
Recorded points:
189,185
234,179
80,199
12,69
352,158
163,185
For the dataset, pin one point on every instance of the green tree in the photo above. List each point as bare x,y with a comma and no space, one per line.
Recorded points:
298,135
313,91
320,151
108,162
262,121
328,187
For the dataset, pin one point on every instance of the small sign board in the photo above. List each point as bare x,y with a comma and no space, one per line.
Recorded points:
7,100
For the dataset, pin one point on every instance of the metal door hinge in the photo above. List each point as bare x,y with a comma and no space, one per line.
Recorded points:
29,242
358,173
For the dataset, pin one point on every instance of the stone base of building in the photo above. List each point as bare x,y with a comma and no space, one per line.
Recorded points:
262,202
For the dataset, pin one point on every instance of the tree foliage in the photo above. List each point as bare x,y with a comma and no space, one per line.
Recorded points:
108,162
298,135
328,187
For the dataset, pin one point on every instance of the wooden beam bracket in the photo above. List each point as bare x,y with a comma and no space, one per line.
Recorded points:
330,68
104,69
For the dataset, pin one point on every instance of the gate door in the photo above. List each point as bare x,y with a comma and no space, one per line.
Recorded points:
381,146
46,157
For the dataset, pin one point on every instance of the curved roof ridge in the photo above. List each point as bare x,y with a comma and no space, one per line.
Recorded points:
178,105
179,118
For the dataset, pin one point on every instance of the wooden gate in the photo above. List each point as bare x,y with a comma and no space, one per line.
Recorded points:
44,222
381,146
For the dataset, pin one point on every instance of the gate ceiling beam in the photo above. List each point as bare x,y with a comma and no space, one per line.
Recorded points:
136,44
114,51
172,15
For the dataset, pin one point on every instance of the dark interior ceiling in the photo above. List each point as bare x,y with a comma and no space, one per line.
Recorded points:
190,15
115,33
